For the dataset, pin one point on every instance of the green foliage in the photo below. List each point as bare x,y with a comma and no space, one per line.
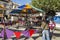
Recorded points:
46,4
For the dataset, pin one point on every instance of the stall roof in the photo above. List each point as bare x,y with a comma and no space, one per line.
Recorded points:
15,11
24,9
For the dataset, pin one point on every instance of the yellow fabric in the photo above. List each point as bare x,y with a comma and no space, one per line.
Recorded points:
28,6
1,6
24,10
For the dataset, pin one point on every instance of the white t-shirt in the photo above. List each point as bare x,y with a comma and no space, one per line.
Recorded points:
12,18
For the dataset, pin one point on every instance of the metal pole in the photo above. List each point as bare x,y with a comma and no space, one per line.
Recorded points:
4,30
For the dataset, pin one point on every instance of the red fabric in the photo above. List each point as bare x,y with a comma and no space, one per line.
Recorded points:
51,26
17,34
31,31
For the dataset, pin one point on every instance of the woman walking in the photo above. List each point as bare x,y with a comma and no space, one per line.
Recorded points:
51,27
45,32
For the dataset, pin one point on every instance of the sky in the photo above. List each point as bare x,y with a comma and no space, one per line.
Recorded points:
22,2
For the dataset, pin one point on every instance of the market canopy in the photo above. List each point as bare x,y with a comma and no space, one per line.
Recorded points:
15,11
21,7
27,6
24,9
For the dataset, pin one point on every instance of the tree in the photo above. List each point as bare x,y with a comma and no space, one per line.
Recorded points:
48,6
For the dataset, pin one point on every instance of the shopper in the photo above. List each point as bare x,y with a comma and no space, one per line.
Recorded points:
51,28
45,31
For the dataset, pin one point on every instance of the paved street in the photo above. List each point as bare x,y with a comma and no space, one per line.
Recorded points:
56,35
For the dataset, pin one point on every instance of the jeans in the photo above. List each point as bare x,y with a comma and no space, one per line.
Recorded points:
51,33
45,35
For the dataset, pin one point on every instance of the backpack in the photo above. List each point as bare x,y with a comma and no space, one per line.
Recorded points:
51,25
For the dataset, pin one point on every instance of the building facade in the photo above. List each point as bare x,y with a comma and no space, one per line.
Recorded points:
6,6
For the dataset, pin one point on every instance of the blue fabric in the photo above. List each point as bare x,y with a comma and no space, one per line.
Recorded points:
21,7
57,19
29,11
15,11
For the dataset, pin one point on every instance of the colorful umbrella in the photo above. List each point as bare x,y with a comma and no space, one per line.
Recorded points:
9,33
